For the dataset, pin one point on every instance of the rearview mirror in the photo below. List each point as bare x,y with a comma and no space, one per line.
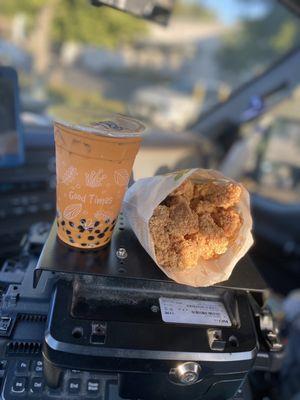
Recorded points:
156,10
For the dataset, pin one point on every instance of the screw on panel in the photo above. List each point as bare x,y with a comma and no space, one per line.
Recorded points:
186,373
121,253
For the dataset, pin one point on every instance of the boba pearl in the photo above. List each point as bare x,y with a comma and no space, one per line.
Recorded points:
96,223
91,237
106,229
63,223
97,231
101,235
83,221
71,224
68,232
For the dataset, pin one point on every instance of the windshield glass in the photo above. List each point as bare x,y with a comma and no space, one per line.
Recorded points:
267,157
71,55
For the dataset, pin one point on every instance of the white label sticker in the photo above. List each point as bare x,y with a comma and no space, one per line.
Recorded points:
197,312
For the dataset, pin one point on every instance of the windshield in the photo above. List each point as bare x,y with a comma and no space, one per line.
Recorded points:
69,54
267,157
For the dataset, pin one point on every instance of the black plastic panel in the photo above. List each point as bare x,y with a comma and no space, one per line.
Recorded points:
59,257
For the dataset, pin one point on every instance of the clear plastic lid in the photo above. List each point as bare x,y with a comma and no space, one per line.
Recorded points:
99,123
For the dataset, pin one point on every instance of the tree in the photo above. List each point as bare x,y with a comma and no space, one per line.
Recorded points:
258,42
52,22
40,15
193,10
79,21
11,7
40,38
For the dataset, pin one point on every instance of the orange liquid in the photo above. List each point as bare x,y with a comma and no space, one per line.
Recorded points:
92,176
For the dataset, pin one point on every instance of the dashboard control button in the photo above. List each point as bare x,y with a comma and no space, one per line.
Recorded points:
37,385
22,367
19,385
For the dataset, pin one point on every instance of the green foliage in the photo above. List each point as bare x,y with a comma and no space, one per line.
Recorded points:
285,37
73,98
259,42
193,10
77,20
11,7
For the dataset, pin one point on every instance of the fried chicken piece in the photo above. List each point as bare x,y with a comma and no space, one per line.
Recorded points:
202,206
160,219
183,220
157,224
160,238
182,254
160,216
229,220
173,200
167,258
211,238
187,253
186,189
217,245
208,248
176,238
207,225
220,194
195,220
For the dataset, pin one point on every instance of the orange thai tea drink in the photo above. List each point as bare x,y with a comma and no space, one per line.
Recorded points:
93,165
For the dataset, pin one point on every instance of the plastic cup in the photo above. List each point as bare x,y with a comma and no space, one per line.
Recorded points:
93,166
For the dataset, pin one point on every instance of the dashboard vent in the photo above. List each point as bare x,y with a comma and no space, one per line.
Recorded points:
22,347
32,317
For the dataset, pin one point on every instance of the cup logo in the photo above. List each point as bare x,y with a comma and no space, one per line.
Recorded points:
72,211
121,177
95,179
69,175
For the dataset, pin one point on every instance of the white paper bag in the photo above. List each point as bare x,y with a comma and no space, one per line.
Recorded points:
146,194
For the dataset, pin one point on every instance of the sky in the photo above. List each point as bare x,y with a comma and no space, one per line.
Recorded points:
230,11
